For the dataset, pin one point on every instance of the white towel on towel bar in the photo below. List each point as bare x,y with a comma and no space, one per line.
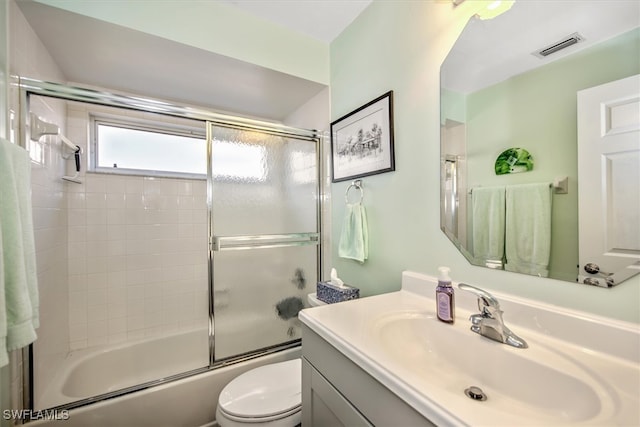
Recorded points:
488,226
528,228
354,239
18,277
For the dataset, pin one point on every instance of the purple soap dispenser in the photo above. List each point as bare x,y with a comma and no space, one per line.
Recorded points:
445,298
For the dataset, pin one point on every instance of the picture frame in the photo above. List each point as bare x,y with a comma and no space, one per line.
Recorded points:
362,141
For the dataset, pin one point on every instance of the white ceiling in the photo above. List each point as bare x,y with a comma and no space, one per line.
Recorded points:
488,52
321,19
97,53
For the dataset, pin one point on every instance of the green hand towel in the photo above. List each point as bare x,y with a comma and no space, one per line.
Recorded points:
354,239
528,228
488,226
18,276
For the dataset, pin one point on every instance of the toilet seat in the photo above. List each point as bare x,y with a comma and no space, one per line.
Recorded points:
249,420
266,393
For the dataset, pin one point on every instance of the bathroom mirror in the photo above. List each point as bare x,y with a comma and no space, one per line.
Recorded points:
511,82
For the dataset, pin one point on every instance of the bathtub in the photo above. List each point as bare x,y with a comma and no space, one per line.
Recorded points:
189,401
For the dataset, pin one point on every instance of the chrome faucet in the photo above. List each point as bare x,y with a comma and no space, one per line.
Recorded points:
488,322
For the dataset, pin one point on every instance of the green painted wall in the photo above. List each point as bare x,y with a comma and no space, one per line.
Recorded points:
453,106
396,45
216,27
400,45
537,111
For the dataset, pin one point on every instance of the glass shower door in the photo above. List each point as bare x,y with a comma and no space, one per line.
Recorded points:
265,228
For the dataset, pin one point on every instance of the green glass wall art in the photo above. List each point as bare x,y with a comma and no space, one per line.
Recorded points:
513,160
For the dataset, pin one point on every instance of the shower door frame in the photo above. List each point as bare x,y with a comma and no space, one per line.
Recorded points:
218,243
28,86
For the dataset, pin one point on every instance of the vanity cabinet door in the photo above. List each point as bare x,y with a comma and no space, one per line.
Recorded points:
323,405
337,392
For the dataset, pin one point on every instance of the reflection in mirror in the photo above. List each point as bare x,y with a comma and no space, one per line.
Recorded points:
498,92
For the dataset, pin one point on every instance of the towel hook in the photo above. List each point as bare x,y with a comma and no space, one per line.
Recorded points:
357,184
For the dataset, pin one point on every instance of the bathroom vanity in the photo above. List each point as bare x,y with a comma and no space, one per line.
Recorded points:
337,392
387,360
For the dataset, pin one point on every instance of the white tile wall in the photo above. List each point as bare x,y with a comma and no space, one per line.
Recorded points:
28,57
119,258
137,251
132,261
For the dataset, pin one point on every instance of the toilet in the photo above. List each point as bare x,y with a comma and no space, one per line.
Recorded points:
267,396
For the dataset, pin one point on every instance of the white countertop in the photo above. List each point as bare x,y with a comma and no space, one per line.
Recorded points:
608,353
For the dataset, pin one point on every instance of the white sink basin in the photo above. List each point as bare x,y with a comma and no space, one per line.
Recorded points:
578,369
539,384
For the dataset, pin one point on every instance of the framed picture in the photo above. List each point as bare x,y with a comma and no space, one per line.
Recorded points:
362,141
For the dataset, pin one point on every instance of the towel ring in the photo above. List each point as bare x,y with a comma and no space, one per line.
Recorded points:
357,184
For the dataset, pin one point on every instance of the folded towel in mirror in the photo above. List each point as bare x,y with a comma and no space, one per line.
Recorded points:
488,225
528,228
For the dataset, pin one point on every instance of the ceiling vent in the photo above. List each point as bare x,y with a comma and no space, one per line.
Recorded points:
570,40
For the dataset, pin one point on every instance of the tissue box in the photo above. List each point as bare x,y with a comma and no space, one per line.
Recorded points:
330,293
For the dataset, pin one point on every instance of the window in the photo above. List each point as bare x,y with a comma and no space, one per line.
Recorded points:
150,148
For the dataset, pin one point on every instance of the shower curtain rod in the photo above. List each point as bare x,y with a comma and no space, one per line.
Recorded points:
74,93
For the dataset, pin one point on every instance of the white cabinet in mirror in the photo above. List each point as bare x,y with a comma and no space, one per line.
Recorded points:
498,92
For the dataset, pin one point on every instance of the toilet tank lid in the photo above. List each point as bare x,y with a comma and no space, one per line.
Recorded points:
264,391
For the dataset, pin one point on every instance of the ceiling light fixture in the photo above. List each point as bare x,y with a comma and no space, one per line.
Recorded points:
491,9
